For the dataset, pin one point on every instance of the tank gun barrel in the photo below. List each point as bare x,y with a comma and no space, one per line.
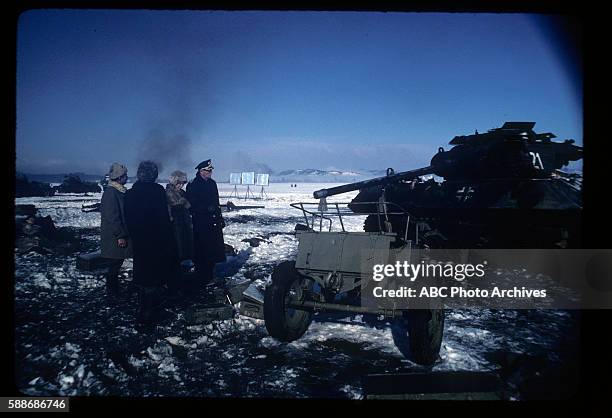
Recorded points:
379,181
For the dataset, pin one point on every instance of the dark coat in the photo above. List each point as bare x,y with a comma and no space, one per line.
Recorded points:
146,214
112,225
207,220
178,207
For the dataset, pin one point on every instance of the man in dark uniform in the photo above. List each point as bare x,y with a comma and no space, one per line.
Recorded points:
208,223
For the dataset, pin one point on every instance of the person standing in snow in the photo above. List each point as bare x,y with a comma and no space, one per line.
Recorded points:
115,243
155,257
208,223
178,207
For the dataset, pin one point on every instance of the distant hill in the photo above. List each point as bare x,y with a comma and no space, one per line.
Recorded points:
58,178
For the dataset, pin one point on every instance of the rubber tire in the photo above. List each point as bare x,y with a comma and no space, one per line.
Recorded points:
281,324
425,330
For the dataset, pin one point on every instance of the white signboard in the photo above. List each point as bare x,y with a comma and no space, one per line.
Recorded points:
235,178
248,178
262,179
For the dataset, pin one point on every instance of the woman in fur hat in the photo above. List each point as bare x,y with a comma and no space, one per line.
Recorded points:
178,207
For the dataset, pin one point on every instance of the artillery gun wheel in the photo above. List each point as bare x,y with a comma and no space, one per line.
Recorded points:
418,335
425,328
283,323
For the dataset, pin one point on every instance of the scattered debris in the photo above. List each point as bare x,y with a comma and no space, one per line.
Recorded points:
35,233
252,303
229,206
253,293
255,241
92,207
252,310
204,314
179,347
235,293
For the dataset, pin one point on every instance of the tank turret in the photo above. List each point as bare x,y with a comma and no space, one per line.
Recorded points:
501,189
512,151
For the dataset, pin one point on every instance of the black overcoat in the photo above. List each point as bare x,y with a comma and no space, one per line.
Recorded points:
207,220
148,223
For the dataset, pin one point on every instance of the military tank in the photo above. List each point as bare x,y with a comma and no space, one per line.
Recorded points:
500,189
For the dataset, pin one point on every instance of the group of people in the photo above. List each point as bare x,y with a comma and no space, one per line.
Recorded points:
159,229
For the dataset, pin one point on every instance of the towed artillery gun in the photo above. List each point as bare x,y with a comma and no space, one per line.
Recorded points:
501,189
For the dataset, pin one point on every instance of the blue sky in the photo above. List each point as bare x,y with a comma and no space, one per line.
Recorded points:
343,90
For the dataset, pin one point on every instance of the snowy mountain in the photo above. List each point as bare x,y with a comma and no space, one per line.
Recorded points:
311,175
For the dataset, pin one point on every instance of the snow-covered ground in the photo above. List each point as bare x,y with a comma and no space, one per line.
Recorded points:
71,341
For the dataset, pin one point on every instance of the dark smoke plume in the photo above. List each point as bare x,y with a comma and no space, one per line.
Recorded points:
167,137
171,150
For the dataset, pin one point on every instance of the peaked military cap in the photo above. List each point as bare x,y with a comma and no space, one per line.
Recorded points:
206,165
